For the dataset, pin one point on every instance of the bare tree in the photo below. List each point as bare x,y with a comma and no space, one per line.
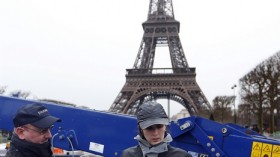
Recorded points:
253,87
20,94
3,89
260,89
272,66
222,108
58,102
245,114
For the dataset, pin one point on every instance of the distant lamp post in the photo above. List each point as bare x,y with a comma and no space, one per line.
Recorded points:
234,112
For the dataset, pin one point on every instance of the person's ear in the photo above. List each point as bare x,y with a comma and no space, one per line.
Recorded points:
20,132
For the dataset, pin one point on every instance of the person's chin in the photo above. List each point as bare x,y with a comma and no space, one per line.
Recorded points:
155,141
43,142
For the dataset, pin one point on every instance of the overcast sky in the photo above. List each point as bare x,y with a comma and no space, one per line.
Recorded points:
77,50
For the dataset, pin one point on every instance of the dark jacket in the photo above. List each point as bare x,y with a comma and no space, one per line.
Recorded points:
22,148
172,152
13,152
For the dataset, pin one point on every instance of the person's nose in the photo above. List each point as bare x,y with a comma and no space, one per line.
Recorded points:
155,131
48,134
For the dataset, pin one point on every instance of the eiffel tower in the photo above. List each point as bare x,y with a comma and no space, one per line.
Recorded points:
145,83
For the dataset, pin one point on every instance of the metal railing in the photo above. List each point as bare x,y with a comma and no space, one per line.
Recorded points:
161,71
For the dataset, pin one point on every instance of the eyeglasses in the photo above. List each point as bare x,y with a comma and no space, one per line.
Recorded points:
40,131
154,127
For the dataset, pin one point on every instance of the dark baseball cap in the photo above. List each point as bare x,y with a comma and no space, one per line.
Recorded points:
34,114
151,113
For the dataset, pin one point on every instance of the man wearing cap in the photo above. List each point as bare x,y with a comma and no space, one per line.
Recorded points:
153,140
32,124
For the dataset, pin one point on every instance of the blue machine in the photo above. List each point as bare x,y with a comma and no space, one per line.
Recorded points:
107,134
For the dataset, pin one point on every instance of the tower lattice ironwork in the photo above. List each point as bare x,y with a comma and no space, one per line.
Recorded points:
144,83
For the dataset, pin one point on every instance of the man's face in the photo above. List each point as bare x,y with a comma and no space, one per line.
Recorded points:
154,134
33,134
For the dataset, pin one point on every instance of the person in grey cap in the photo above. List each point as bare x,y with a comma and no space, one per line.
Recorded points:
153,139
31,136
